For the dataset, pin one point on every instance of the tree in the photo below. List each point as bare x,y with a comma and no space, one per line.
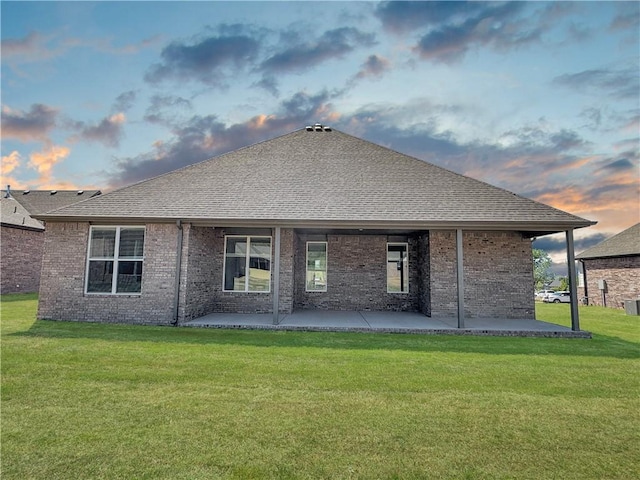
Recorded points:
542,274
564,284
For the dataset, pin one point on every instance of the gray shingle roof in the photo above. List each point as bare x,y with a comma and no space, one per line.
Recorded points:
320,177
624,243
43,201
15,215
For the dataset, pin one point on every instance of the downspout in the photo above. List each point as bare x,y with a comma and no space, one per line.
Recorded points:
176,299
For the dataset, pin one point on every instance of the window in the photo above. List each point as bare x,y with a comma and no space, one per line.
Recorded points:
115,260
397,268
244,255
316,267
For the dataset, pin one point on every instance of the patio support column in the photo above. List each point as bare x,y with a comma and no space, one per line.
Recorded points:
460,277
276,276
573,284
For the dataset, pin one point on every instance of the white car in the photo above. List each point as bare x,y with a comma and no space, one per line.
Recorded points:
558,297
542,294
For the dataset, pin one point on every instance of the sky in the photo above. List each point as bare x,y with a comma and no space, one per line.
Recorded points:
539,98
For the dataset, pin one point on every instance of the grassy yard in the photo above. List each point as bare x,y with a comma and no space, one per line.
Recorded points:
87,401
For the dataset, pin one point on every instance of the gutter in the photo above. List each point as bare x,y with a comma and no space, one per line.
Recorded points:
176,299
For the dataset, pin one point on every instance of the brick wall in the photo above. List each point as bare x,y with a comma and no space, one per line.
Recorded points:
204,271
356,276
21,260
622,275
62,283
498,274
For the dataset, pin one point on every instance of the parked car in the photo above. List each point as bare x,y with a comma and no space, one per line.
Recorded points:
558,297
542,294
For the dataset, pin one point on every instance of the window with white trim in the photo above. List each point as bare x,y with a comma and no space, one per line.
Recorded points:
316,267
247,264
114,263
397,268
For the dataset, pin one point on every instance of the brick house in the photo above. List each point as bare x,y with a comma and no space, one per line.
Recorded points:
611,269
314,219
23,236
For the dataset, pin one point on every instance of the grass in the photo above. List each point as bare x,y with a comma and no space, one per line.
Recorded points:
116,401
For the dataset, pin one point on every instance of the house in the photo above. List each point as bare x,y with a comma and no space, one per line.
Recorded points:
314,219
611,269
23,236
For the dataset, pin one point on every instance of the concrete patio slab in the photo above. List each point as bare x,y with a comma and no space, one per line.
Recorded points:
385,322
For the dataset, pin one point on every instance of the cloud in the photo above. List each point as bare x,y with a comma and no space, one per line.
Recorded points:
202,137
10,162
208,60
558,245
374,67
33,125
44,161
124,102
493,26
402,17
155,111
620,84
108,132
299,57
31,48
628,17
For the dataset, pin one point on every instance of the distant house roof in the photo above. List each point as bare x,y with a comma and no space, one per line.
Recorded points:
15,215
624,243
318,176
43,201
19,206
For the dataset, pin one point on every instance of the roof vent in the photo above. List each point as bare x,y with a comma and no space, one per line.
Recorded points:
80,192
317,127
53,192
8,194
26,192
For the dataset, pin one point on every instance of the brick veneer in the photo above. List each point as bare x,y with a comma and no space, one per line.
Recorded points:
498,276
62,283
21,260
622,275
356,276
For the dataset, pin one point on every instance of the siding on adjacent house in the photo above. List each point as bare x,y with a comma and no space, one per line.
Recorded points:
21,260
622,275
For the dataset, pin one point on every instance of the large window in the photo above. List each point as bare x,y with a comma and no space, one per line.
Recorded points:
316,267
247,264
115,260
397,268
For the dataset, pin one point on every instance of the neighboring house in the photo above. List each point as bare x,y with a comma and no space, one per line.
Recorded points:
314,219
612,269
22,237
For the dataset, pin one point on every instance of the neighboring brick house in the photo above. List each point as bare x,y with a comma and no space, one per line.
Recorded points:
611,269
314,219
22,237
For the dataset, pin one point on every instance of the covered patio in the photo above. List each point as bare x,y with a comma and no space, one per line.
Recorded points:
385,322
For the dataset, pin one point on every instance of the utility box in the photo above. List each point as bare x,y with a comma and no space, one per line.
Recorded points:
632,307
602,285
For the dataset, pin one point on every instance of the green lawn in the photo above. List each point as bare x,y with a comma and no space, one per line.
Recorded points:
86,401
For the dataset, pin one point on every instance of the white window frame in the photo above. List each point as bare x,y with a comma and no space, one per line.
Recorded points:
406,245
306,268
116,259
247,263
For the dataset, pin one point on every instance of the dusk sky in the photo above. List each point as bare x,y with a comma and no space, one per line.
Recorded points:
542,99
